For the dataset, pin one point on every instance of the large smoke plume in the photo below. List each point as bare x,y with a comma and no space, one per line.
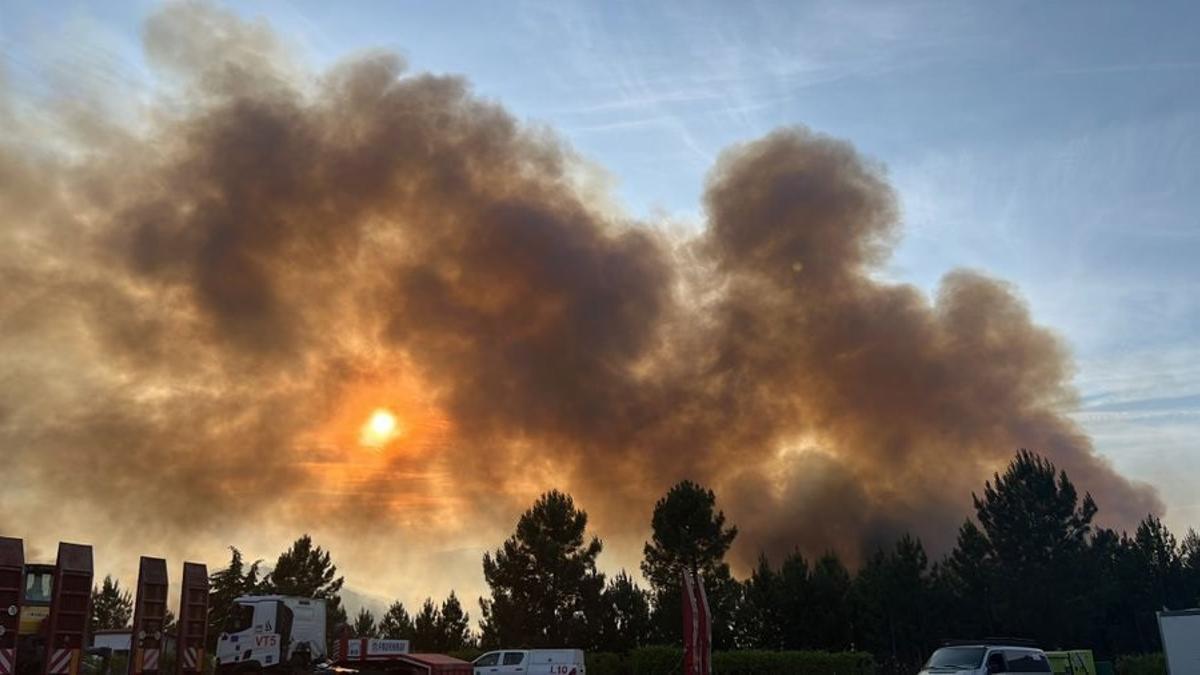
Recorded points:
202,304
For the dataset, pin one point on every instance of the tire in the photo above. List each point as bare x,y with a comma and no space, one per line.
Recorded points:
300,662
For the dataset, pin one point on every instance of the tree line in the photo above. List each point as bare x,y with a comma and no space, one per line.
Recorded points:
1029,563
306,570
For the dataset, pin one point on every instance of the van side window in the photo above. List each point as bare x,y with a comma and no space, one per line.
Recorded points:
492,659
995,663
513,658
1027,662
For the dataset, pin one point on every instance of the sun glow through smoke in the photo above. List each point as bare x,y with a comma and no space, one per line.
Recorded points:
380,428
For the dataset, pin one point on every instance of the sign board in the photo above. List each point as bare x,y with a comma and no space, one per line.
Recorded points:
1181,641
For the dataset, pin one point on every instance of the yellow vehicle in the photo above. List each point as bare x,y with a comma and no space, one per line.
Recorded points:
1074,662
35,604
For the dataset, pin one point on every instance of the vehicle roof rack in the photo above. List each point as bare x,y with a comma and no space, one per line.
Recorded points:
992,642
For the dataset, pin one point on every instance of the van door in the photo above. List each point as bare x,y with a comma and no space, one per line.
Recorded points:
513,663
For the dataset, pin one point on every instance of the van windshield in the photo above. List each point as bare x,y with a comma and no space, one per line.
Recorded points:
956,657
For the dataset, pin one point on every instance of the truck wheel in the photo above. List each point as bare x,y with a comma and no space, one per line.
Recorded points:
300,661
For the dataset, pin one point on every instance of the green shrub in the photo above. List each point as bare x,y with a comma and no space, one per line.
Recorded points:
1141,664
656,660
666,660
789,663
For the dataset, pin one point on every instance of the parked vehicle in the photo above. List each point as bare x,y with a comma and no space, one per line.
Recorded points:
284,634
987,657
269,630
1073,662
531,662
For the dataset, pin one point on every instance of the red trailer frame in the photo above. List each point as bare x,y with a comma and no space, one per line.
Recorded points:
69,609
193,620
12,592
149,611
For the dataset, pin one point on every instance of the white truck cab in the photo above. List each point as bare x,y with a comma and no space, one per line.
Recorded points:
531,662
271,630
986,658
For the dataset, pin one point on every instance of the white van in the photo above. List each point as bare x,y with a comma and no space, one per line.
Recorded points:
531,662
986,658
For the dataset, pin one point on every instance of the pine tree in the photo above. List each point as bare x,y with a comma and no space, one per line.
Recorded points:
545,587
225,585
758,620
426,634
112,608
364,624
626,624
689,533
1189,553
396,624
1158,555
830,597
795,603
969,576
1038,532
892,594
308,571
453,625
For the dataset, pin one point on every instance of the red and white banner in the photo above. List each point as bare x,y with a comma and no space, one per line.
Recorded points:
63,662
8,660
697,627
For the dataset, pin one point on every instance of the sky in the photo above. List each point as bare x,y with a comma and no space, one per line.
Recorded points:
1052,146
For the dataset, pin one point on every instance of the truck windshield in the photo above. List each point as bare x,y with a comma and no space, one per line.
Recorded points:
956,657
240,619
37,587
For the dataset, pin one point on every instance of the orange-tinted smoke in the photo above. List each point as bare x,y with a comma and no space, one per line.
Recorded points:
196,305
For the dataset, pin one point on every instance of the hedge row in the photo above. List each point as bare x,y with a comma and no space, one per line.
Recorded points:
468,654
1144,664
666,660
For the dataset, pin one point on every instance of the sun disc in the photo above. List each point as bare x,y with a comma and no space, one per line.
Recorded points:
380,428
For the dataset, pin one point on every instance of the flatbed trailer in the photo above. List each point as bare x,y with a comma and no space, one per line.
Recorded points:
373,655
407,664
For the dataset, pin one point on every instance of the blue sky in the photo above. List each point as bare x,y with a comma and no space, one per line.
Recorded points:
1053,145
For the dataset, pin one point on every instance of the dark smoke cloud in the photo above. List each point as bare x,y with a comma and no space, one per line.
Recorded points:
199,310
